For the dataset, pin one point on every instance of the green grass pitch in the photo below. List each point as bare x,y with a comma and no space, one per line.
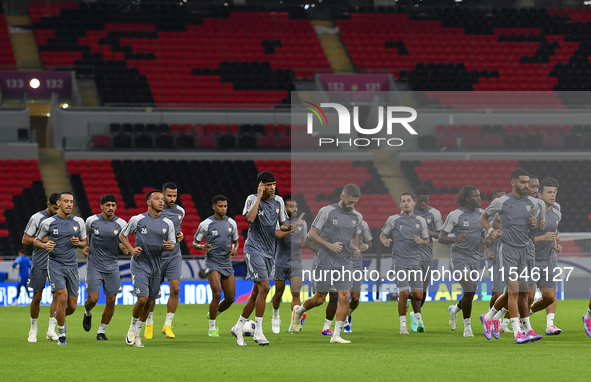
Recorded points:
377,352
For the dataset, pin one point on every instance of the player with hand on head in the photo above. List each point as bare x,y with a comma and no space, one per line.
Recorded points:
434,221
221,244
334,230
171,266
154,235
288,260
103,268
66,234
407,232
38,274
264,212
517,213
465,250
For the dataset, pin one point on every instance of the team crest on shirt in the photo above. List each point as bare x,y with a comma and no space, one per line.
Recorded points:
354,221
335,221
417,225
277,210
299,228
428,221
75,229
180,217
230,229
528,208
116,231
164,230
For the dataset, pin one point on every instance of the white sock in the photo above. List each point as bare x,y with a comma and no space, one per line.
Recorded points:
34,324
525,321
275,314
455,309
327,324
211,325
418,317
351,311
515,326
169,317
506,322
490,314
133,323
467,322
588,315
550,319
402,321
258,325
140,325
301,310
531,312
88,313
61,330
52,324
102,328
150,320
500,314
338,327
240,323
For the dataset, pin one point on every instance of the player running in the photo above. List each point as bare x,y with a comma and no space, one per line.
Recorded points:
264,211
66,234
434,222
546,255
408,232
38,275
221,244
335,231
171,266
465,250
516,212
288,260
103,268
364,235
155,234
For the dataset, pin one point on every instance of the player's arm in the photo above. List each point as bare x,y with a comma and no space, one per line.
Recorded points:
199,236
41,235
444,238
170,243
279,234
251,215
315,237
311,245
494,233
130,228
496,223
438,223
548,236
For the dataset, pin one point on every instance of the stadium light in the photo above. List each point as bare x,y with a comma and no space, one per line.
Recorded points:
306,6
35,83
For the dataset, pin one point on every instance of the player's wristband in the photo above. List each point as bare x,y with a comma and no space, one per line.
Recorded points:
490,231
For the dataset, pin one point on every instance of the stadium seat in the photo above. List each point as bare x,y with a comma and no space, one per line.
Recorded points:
247,141
101,142
206,142
268,142
447,141
227,142
144,141
164,141
185,142
473,142
493,142
122,141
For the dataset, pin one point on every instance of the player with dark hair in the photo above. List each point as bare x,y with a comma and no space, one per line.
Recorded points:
434,222
408,232
517,213
24,266
465,250
38,274
546,248
365,239
264,212
66,234
155,234
102,267
221,244
171,266
288,260
335,231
